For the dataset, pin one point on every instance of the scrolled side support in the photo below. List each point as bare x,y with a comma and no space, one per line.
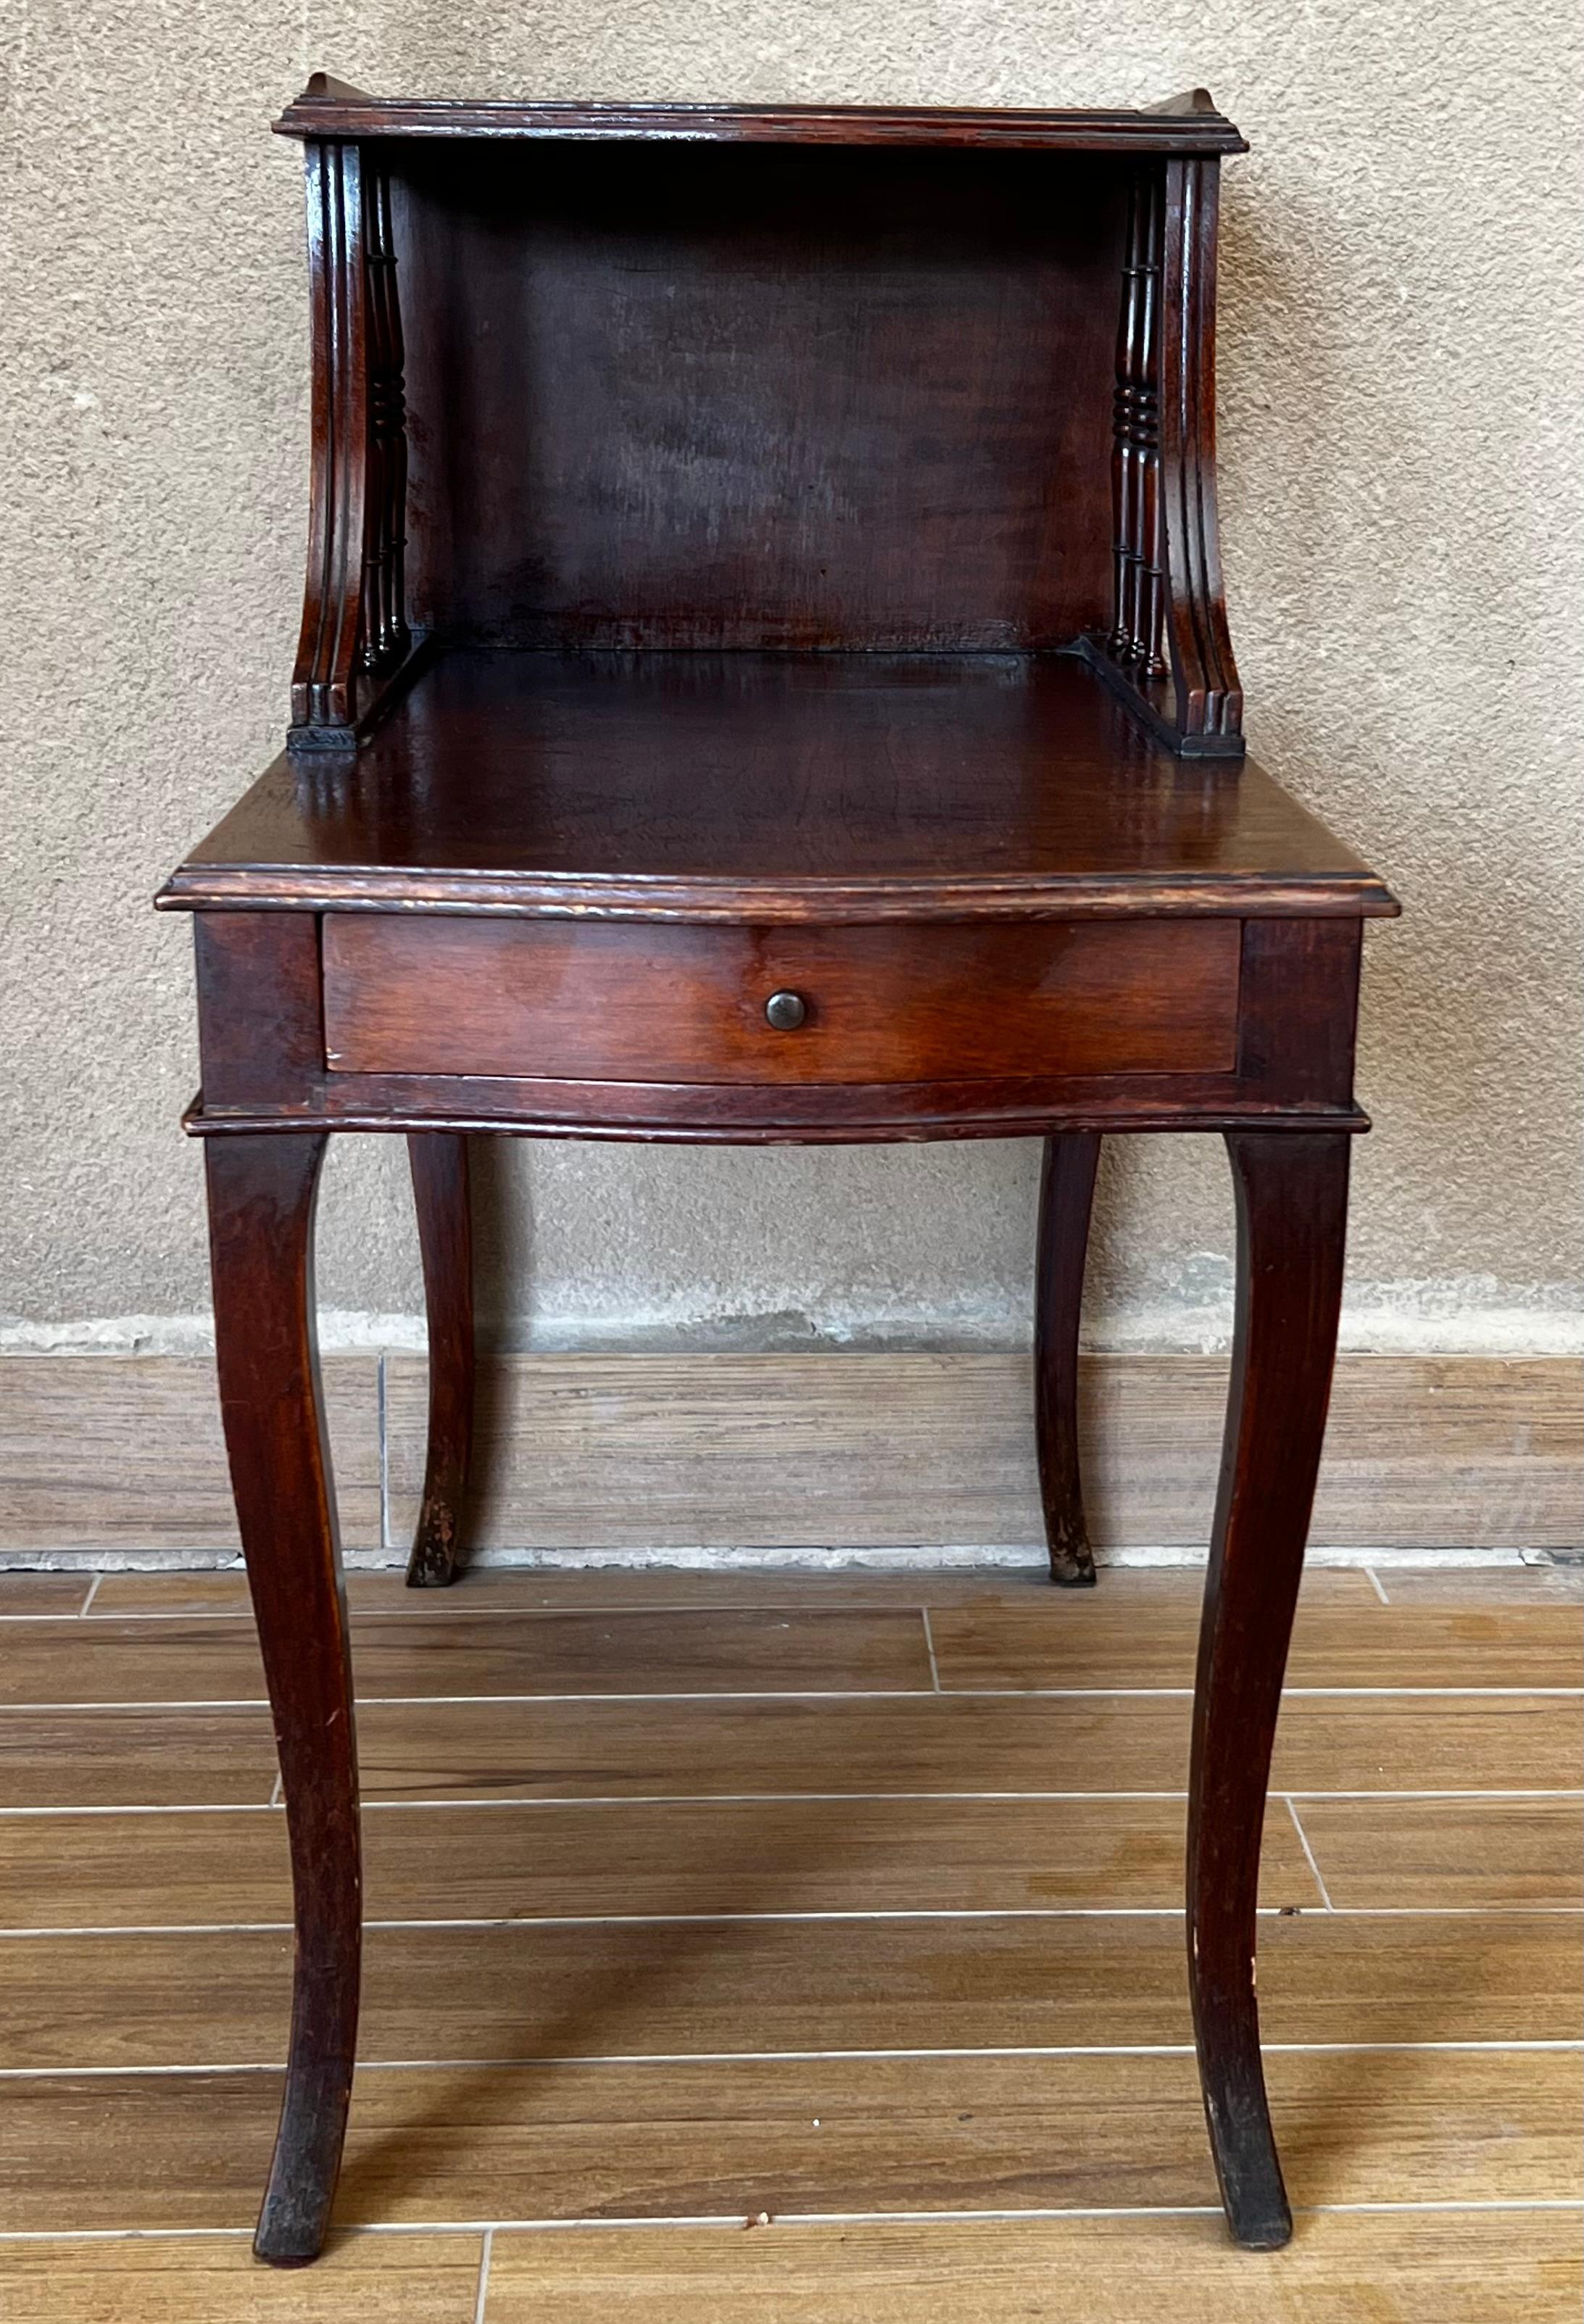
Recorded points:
1168,652
1208,699
326,652
355,642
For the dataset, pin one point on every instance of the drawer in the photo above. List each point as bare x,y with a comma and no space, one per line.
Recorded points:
645,1001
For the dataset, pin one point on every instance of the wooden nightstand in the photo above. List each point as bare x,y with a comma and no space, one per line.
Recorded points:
764,677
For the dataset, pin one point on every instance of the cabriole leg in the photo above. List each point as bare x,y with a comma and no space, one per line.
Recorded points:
1066,1195
1291,1195
447,1241
262,1192
444,1231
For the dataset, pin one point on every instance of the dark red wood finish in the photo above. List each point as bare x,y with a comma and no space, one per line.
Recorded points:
262,1194
1066,1197
442,1196
773,377
1292,1198
355,651
1168,652
772,787
759,396
751,549
587,1000
1185,124
1291,1064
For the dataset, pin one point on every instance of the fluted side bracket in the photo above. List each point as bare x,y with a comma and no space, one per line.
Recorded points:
1168,650
354,648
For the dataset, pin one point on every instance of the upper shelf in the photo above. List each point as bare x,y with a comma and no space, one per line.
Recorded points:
1188,124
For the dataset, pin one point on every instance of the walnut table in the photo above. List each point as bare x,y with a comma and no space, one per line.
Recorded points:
764,678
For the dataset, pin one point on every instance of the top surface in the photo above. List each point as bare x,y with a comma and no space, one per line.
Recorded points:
770,786
1189,123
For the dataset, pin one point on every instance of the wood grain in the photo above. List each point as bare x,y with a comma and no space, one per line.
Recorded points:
843,2135
845,400
1441,2269
718,1856
260,1013
1475,1589
774,1745
136,1758
1469,1852
1133,1634
1158,1592
868,345
1458,2267
89,1445
361,2280
634,1003
683,1652
1189,124
787,1856
1403,2124
1408,1645
1444,2268
881,1450
44,1593
894,1449
648,1989
764,789
558,1589
961,1744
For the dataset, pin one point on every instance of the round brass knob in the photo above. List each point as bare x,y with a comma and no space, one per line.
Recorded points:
786,1011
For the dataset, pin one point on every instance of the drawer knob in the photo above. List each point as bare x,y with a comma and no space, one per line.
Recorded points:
786,1011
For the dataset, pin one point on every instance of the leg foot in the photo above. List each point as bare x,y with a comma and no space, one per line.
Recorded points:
1066,1195
445,1229
1292,1194
262,1192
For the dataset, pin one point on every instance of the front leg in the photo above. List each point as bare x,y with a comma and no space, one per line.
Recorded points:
262,1192
443,1196
1066,1197
1292,1194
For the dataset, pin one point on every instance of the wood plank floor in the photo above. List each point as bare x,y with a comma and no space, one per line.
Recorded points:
796,1948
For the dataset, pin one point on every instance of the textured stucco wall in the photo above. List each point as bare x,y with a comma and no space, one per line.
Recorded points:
1400,490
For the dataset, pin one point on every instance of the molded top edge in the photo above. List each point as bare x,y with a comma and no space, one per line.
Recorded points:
1188,124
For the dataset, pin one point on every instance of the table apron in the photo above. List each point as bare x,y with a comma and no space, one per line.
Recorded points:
353,1022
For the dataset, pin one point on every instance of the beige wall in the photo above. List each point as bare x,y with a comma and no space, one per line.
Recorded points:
1400,472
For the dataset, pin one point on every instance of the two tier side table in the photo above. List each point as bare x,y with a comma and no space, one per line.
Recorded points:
764,678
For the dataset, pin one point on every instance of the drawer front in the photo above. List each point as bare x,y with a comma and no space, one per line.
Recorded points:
644,1002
